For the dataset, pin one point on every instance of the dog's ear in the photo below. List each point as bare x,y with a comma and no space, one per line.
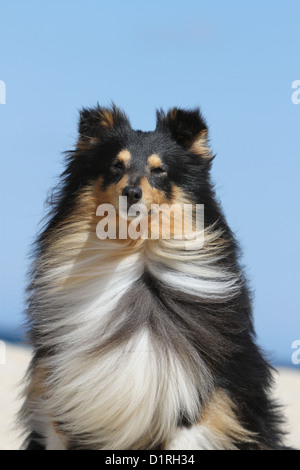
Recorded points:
188,128
94,122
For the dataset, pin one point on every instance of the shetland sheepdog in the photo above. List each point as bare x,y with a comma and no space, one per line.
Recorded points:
147,342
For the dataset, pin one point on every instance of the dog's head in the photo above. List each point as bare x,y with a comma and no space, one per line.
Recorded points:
166,166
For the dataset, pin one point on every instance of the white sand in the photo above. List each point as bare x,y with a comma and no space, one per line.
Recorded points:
287,391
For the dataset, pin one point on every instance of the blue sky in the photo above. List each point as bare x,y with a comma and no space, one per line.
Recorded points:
236,60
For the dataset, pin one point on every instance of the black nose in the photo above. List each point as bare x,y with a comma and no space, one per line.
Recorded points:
133,194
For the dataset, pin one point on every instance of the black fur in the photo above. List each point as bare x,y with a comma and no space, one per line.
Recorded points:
34,442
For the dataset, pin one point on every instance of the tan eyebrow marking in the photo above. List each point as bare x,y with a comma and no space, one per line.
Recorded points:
124,156
154,161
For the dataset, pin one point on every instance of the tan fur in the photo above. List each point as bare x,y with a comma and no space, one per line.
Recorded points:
154,161
219,415
151,195
172,114
85,143
106,118
111,194
199,145
36,386
124,156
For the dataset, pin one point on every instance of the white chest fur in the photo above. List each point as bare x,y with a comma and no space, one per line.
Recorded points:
133,394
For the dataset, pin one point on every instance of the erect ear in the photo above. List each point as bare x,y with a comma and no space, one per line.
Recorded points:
94,122
188,128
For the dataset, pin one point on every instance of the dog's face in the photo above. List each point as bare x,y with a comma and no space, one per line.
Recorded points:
138,169
166,166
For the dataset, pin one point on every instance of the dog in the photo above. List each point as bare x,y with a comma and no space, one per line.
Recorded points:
142,343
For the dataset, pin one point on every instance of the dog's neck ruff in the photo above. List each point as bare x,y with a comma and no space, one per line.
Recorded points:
111,379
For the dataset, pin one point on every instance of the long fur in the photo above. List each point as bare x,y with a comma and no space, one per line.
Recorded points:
144,344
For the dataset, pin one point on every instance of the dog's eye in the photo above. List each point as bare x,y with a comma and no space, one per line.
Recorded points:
158,171
118,166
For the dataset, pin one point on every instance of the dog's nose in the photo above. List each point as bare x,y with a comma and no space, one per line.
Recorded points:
133,194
